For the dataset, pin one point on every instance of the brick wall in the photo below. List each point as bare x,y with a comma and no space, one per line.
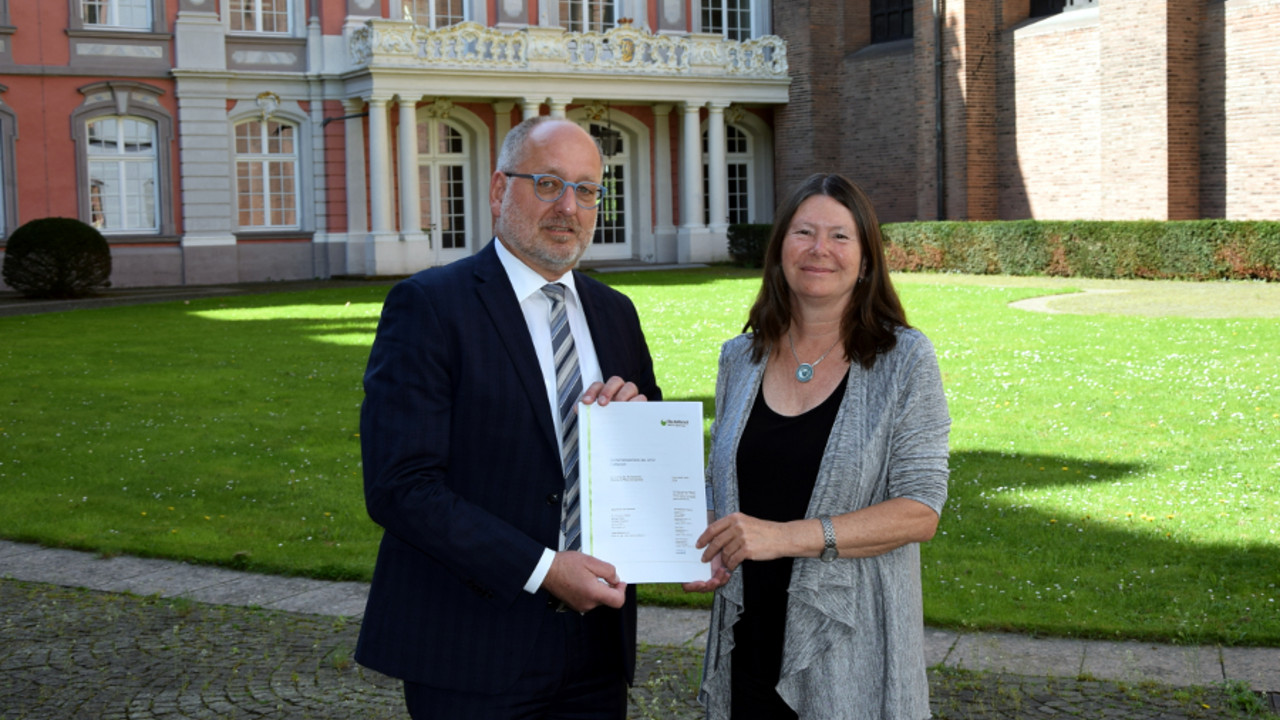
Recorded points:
807,128
1183,18
925,119
1133,37
974,171
1239,117
1160,109
879,149
1049,130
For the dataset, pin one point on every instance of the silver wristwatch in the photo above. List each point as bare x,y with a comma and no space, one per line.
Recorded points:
829,552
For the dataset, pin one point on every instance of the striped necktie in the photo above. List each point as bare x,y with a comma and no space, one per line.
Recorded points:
568,390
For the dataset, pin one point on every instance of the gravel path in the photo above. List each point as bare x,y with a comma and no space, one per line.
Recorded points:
69,654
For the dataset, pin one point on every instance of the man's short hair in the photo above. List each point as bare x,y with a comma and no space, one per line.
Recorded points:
511,156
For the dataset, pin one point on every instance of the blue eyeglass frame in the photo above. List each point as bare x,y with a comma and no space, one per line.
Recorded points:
564,185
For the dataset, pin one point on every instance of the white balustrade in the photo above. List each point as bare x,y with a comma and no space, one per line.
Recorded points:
622,50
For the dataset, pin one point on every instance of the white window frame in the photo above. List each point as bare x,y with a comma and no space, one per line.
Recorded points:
235,7
757,20
265,159
609,13
430,198
416,10
6,175
113,9
732,157
8,178
123,162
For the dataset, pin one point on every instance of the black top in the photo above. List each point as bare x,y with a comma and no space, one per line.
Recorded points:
778,461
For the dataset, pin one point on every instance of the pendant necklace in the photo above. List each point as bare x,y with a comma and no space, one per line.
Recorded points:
804,371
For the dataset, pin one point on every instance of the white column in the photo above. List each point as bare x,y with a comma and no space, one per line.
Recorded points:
387,256
665,232
410,212
558,106
692,236
379,167
717,168
501,125
357,199
690,167
322,260
315,44
532,107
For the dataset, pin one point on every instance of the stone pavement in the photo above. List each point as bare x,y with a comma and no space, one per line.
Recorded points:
122,637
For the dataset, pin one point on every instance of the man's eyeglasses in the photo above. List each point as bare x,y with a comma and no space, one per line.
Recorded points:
549,188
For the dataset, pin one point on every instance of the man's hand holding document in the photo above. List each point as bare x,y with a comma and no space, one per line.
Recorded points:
641,489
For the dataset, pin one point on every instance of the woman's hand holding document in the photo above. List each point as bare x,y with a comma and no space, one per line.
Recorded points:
641,489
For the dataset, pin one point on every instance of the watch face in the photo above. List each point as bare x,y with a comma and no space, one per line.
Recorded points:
828,554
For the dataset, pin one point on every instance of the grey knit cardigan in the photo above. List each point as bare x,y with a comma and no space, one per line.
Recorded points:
854,646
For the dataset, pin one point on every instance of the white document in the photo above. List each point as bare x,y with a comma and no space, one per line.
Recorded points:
641,489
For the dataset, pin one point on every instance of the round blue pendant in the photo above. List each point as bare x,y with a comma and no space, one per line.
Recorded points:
804,373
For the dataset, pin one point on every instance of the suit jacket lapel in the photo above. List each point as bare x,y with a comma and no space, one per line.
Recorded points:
605,350
499,301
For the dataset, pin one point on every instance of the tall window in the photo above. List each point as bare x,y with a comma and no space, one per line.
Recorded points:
890,20
738,176
442,183
730,18
611,218
260,16
1041,8
8,174
122,174
434,13
5,175
129,14
267,174
586,15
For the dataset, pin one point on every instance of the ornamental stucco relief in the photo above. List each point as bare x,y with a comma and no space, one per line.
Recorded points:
623,50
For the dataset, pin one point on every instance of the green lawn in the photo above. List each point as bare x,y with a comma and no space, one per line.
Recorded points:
1113,475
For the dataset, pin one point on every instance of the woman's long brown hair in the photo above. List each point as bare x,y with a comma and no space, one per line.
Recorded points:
874,312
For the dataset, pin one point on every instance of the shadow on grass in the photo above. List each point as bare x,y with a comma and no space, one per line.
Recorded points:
1000,561
1012,555
1017,551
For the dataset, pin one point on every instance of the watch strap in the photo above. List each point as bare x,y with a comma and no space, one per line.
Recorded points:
829,552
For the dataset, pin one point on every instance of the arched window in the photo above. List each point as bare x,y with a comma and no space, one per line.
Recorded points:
443,160
124,140
266,174
123,174
611,218
434,13
8,180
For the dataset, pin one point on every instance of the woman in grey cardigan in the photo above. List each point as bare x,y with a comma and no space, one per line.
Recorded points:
828,467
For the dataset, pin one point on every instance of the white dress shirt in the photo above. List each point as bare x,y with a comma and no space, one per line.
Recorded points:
536,307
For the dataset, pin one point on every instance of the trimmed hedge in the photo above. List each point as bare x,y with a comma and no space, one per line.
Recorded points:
1190,250
747,242
56,257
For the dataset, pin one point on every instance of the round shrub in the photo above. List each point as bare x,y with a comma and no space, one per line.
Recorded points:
56,258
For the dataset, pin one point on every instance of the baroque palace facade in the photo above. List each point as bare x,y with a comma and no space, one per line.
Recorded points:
217,141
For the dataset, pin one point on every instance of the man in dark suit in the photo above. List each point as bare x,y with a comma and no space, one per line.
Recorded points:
479,601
